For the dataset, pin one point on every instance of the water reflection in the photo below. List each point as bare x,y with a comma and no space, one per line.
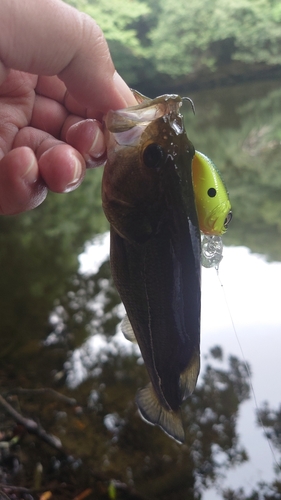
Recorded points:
241,313
55,321
240,129
251,288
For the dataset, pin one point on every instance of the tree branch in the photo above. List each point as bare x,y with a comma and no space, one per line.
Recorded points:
31,426
43,390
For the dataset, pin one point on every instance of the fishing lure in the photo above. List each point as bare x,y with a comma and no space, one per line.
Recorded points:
213,208
211,197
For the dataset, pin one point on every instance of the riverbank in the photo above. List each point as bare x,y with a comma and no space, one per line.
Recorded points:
227,75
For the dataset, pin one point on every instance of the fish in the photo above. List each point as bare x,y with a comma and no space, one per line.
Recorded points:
155,248
211,196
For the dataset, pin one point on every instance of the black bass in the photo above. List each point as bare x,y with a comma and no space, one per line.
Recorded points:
148,198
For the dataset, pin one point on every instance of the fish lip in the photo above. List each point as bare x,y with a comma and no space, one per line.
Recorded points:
142,99
147,111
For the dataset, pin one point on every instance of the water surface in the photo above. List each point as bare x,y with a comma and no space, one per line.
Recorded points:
58,329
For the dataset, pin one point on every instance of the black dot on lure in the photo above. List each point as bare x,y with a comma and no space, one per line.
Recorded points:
212,192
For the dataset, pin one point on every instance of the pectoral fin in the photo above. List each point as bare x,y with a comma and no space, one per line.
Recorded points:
152,411
189,377
127,330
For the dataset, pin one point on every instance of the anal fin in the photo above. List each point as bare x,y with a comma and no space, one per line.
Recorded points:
189,377
154,413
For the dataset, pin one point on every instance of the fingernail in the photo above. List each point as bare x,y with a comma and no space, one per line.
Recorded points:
124,90
31,172
77,171
98,146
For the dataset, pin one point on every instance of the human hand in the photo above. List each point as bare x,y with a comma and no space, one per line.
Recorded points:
61,82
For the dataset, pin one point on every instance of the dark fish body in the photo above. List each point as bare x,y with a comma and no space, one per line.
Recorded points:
155,250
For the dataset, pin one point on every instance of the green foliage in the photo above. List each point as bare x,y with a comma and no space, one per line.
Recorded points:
171,40
212,33
116,17
112,493
259,37
118,20
189,25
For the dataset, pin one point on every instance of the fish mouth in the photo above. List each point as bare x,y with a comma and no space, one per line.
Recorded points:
142,114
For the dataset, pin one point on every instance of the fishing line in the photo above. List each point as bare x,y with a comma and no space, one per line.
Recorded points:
248,372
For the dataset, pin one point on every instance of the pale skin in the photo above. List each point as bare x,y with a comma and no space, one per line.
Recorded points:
57,80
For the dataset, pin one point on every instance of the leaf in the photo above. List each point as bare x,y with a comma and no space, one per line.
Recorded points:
112,491
84,494
46,495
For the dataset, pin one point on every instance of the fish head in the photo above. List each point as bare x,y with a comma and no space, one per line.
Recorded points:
148,166
211,197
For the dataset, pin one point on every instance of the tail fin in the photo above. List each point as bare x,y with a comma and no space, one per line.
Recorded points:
152,411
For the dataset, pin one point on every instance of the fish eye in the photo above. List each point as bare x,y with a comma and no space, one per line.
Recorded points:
153,155
227,220
212,192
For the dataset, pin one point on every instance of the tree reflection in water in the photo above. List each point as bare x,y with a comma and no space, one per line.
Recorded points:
49,313
103,431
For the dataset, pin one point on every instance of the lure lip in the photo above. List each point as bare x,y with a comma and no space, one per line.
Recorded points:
215,223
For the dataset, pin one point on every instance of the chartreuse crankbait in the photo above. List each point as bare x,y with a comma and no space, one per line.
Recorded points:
211,197
213,208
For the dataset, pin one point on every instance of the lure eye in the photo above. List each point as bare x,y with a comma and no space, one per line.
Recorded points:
212,192
227,220
153,155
